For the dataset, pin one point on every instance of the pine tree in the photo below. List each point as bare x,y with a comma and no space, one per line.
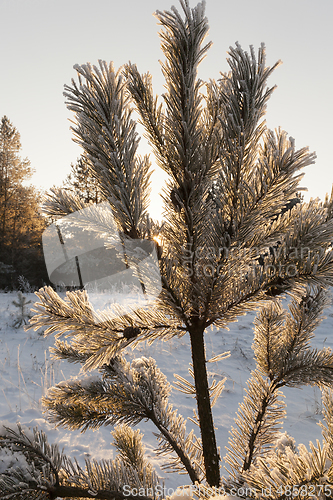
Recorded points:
232,242
23,315
81,183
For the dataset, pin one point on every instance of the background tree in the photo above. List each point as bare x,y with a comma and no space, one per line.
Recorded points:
21,225
82,183
210,269
13,171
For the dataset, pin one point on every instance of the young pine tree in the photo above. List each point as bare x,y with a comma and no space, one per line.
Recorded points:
233,240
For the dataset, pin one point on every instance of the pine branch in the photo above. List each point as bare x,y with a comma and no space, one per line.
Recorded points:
172,438
96,334
258,420
327,425
216,388
75,492
305,472
309,262
59,203
152,118
37,447
94,218
316,270
129,446
50,474
314,367
272,184
127,394
106,131
286,357
182,46
328,203
283,355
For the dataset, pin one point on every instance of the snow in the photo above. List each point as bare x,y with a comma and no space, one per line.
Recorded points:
140,364
27,371
11,460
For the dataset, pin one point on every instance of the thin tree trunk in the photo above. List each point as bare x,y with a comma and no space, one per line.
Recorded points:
211,457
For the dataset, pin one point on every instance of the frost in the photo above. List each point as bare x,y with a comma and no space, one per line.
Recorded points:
86,382
328,463
12,460
284,441
140,364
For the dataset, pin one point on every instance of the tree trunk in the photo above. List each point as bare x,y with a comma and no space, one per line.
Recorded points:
211,457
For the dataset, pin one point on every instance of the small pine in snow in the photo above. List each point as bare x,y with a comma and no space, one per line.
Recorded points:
23,315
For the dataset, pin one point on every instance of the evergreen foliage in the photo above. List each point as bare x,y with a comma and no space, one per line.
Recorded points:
233,240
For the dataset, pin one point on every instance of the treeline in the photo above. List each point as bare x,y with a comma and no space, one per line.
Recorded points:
21,223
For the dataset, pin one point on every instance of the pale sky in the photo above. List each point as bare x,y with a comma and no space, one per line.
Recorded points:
41,40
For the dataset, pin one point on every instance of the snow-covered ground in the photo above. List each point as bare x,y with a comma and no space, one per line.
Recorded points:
27,370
